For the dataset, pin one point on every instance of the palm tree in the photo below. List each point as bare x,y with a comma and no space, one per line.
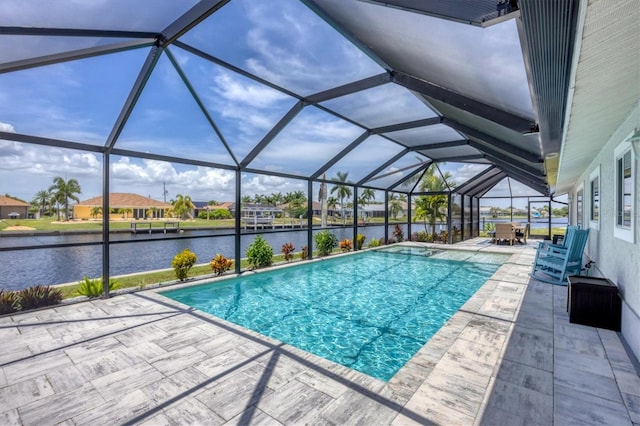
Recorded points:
342,191
95,211
432,208
332,202
182,206
63,191
367,195
395,204
42,200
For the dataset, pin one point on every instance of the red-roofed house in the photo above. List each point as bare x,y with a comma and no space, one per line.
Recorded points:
123,206
11,208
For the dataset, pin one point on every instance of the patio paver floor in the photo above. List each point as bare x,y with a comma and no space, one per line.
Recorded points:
509,356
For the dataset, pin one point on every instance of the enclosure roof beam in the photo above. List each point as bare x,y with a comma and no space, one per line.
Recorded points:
341,154
349,88
192,17
204,110
284,121
492,140
170,159
56,58
422,168
383,166
475,178
504,118
439,145
407,125
494,153
134,94
37,140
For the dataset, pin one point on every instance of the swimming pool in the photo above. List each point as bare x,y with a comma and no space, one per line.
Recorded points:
370,311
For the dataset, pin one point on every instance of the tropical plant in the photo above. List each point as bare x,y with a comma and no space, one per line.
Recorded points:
365,198
182,206
304,253
422,236
63,191
398,233
43,199
9,302
182,262
96,211
346,245
287,251
342,191
332,202
325,242
432,208
93,287
220,264
259,253
374,243
360,241
395,204
38,296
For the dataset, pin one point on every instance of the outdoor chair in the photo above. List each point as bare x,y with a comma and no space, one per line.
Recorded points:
548,246
522,233
555,264
505,231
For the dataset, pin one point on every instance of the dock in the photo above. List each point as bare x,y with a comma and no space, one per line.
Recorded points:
149,228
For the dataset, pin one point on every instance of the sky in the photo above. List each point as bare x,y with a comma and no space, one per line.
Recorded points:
283,43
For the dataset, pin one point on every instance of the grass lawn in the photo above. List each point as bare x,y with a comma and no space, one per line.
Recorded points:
143,280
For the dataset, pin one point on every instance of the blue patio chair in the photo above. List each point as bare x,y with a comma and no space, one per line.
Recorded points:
544,246
555,264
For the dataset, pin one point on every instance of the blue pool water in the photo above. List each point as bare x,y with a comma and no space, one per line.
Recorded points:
369,311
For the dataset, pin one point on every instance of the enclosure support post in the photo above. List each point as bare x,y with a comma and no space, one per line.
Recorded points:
105,224
310,219
238,240
355,217
386,215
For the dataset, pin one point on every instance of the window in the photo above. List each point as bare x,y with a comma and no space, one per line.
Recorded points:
624,180
579,197
594,211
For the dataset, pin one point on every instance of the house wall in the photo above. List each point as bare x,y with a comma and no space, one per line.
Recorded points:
6,210
616,259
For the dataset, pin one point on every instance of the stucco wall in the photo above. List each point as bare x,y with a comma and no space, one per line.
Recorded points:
615,259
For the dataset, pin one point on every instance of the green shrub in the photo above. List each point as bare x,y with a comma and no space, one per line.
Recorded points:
9,302
360,241
182,262
93,287
220,264
374,243
221,214
287,251
423,236
38,296
259,253
325,242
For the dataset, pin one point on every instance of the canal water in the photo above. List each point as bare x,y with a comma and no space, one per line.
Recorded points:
21,268
130,253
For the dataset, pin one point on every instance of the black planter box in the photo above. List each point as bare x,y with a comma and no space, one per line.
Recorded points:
594,302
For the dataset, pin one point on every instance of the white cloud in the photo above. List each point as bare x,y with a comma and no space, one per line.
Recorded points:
234,89
149,176
6,127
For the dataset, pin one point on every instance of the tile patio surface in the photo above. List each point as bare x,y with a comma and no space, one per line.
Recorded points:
509,356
